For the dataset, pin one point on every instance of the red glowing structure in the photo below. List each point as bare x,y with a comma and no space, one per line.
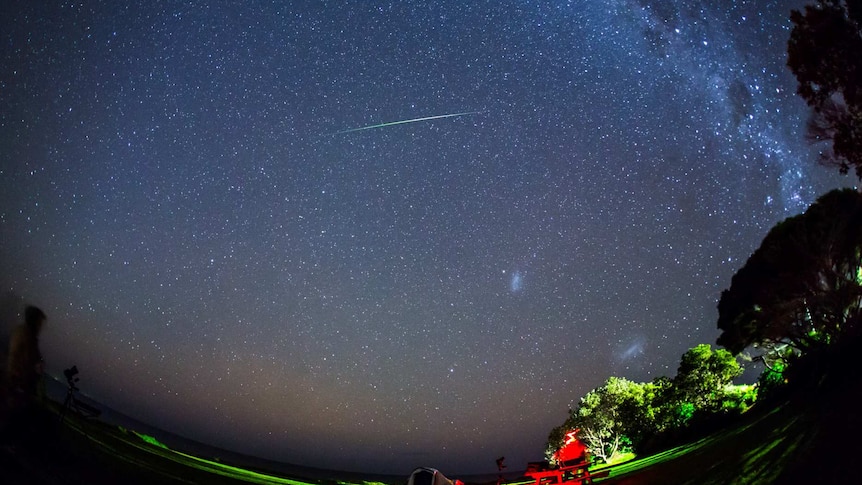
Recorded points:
572,462
571,450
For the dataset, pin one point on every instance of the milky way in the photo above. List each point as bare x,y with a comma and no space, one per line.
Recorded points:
219,264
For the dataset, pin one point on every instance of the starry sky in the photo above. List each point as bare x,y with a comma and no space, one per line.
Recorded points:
221,256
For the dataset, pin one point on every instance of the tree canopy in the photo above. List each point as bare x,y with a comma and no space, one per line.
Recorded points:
603,415
703,375
622,415
802,286
824,54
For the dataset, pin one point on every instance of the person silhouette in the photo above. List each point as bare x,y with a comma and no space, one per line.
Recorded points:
25,365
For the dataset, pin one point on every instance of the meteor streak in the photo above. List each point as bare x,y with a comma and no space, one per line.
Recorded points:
414,120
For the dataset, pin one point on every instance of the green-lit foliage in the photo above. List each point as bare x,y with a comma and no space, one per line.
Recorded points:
603,418
703,376
771,379
800,287
653,412
738,399
622,415
683,413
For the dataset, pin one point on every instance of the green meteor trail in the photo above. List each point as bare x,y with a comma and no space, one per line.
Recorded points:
402,122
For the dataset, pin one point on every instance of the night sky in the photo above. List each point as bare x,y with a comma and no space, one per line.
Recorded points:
222,258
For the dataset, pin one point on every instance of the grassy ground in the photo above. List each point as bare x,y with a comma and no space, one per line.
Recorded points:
809,437
757,452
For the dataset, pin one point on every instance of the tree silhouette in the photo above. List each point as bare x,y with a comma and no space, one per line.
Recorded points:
802,287
824,54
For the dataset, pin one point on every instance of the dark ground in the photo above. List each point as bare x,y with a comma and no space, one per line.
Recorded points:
811,434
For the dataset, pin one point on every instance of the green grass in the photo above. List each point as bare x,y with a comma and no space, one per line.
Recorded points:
135,452
149,439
